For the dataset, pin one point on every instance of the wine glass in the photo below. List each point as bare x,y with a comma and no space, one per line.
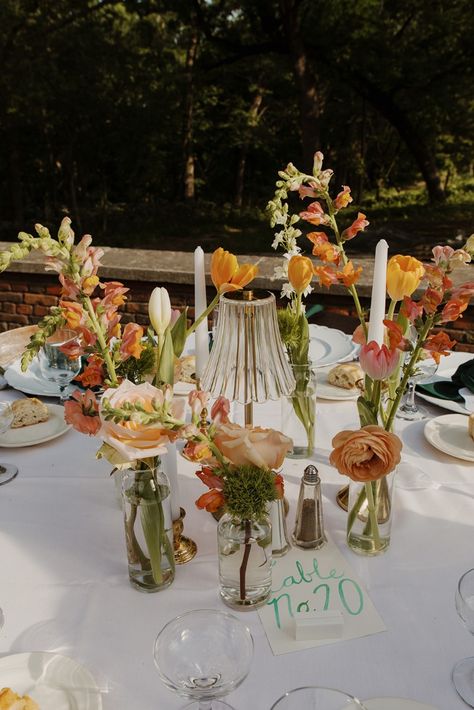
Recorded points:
203,655
315,698
57,366
463,671
424,370
2,618
7,470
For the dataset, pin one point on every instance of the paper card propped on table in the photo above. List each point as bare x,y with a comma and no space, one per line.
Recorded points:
308,581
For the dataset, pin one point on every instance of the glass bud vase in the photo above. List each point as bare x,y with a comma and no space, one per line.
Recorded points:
298,412
369,519
245,558
148,528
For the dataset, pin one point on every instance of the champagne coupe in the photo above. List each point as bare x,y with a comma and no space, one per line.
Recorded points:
424,370
7,470
57,366
316,698
463,671
204,655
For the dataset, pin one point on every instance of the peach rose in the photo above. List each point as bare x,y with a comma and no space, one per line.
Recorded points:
133,439
366,454
265,448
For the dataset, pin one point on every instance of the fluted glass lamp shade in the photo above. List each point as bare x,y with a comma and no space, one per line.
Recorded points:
248,362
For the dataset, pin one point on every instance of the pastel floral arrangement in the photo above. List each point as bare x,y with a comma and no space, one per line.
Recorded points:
371,453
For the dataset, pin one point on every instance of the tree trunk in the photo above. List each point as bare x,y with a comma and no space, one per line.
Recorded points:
253,117
188,147
309,99
411,136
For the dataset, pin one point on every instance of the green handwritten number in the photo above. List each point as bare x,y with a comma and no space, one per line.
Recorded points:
342,596
276,610
326,588
302,605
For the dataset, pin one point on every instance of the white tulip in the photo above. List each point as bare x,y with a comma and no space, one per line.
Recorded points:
159,309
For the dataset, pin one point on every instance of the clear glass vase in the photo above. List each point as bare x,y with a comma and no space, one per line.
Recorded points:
245,558
148,528
298,412
369,519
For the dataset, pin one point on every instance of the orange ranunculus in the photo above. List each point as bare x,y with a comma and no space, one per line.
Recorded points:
404,274
300,272
82,412
439,344
326,275
211,501
349,276
131,345
243,446
366,454
227,275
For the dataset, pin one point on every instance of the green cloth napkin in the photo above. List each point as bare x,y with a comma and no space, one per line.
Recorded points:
449,389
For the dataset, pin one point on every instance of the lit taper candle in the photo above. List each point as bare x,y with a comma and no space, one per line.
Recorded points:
200,305
379,294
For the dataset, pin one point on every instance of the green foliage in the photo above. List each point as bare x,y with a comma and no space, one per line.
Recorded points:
136,370
247,490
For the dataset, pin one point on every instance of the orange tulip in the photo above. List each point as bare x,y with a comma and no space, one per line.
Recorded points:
300,272
404,274
227,275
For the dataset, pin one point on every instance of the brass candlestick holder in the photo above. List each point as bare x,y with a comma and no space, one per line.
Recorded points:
184,548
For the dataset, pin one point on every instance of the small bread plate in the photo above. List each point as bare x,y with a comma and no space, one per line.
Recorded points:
32,382
396,704
328,346
37,433
53,681
450,435
324,390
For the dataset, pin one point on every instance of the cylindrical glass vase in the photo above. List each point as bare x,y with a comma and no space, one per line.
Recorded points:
148,529
245,558
369,519
298,412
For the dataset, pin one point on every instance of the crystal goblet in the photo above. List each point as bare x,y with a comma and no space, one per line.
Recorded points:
424,370
7,470
463,671
56,363
204,655
317,698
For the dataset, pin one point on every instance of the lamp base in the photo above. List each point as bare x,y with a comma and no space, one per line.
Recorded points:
184,548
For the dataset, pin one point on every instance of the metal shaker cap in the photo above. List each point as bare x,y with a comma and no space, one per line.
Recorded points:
311,474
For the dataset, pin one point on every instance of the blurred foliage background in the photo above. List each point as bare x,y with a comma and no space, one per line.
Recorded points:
163,123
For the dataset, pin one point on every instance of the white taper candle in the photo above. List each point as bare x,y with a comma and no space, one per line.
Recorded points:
379,294
200,305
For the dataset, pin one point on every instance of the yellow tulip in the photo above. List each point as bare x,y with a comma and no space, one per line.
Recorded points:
404,274
227,275
300,272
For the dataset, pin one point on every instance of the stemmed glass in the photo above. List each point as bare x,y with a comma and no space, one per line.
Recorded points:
316,698
463,671
424,370
58,366
7,470
204,655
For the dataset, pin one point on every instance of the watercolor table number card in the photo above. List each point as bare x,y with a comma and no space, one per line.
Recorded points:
317,599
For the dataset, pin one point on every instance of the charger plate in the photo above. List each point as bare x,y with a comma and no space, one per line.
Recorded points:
37,433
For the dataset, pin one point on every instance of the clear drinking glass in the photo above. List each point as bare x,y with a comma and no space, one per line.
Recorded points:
314,698
55,365
7,470
204,655
424,370
463,671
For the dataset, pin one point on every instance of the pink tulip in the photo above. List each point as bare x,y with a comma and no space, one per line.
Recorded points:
378,362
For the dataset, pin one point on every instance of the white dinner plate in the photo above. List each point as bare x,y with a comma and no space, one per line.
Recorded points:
37,433
324,390
396,704
450,435
55,682
31,381
329,346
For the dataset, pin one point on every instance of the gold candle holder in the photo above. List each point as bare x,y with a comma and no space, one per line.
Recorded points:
184,548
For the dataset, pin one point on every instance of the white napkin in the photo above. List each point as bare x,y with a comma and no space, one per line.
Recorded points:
468,397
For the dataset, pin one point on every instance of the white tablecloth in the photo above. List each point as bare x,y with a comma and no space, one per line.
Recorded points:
64,584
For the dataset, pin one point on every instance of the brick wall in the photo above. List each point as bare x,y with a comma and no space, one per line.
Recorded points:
26,298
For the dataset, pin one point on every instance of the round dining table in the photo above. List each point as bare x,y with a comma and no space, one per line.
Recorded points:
64,582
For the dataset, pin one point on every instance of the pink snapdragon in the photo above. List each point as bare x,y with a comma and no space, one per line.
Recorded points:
358,225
